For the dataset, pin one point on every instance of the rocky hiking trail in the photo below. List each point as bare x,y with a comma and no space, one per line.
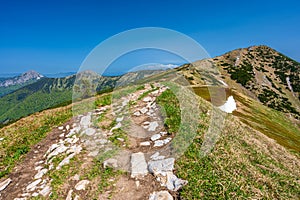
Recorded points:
127,135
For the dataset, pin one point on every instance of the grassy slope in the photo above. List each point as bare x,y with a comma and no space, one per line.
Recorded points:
244,163
21,135
272,123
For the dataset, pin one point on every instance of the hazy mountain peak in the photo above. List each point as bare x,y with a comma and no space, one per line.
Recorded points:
21,79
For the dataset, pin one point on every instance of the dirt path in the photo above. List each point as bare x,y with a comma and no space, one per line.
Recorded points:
137,133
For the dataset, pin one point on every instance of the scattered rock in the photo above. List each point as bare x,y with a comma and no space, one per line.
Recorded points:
160,166
90,131
147,143
85,121
82,185
76,177
172,182
103,141
138,165
35,194
41,173
25,195
65,161
161,195
121,139
143,110
62,148
32,186
93,153
46,191
137,113
69,196
167,140
1,139
153,126
163,133
158,143
147,99
156,156
119,119
155,137
53,146
4,184
119,125
60,128
110,163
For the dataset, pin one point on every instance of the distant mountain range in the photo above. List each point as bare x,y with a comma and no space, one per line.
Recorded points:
22,79
8,85
259,72
43,93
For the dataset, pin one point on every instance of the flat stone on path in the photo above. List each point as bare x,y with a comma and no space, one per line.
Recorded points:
158,143
82,185
85,121
160,166
155,137
46,191
147,143
147,99
144,110
153,126
4,184
32,186
111,162
161,195
138,165
90,131
41,173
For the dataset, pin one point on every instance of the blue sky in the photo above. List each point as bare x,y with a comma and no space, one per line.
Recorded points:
56,36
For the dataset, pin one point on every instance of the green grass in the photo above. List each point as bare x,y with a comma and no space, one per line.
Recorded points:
147,92
170,104
272,123
59,177
238,167
103,100
21,136
121,92
118,133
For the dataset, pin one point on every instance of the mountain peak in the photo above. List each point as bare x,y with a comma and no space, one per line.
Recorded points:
31,74
22,79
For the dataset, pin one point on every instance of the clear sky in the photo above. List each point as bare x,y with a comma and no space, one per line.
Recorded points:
55,36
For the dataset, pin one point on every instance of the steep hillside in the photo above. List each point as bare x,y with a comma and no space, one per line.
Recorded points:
268,75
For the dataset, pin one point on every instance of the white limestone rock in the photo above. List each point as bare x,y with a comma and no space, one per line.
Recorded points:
155,137
4,184
138,165
82,185
161,195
